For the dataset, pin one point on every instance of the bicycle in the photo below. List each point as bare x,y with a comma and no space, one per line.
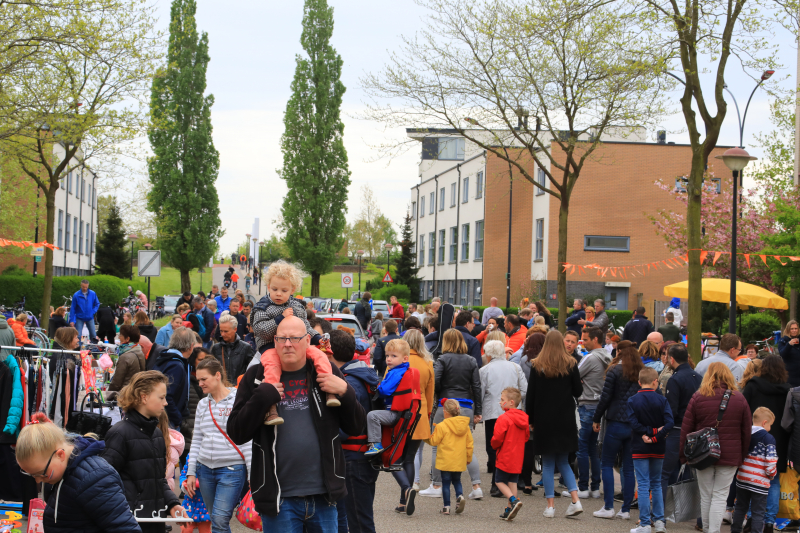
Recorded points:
765,346
67,305
39,336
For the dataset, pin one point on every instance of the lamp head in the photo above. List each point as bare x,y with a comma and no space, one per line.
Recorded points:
132,237
388,246
767,75
359,252
736,159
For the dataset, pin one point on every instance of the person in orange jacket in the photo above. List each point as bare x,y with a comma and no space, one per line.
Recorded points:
515,332
18,325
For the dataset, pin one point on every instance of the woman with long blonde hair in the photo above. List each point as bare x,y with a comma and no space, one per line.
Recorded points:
752,370
789,348
553,387
734,438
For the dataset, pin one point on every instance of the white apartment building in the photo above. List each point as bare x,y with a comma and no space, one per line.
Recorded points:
447,210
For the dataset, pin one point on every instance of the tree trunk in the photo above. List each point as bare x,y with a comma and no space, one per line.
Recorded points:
186,282
315,285
695,243
47,292
563,219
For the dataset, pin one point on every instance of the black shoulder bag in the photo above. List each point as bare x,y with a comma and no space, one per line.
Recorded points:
702,447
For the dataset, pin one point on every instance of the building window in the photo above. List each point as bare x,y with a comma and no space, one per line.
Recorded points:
603,243
465,191
94,198
479,185
680,184
431,248
464,242
80,238
442,238
75,232
462,298
451,149
453,244
421,207
476,292
430,290
83,190
90,195
441,199
413,210
421,251
716,185
66,242
422,287
69,182
433,202
453,195
94,240
63,186
539,239
87,238
60,227
541,180
479,239
451,291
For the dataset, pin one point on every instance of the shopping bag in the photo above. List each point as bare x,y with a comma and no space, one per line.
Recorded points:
36,516
790,507
247,515
105,362
683,500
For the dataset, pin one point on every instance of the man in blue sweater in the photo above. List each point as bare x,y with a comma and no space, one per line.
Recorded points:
223,302
651,421
84,306
174,364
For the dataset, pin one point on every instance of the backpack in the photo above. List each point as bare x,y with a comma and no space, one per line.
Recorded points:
375,400
200,321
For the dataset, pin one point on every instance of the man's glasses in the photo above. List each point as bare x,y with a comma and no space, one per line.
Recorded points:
295,340
46,467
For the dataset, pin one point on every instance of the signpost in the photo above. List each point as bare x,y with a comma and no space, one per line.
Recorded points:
149,267
347,284
387,278
37,254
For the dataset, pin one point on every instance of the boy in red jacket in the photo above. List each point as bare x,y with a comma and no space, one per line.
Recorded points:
511,432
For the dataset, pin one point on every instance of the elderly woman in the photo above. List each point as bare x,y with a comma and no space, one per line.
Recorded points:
18,326
143,298
496,376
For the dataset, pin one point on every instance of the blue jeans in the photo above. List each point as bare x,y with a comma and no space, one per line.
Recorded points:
341,513
587,451
221,488
618,437
360,480
455,479
648,476
773,500
549,462
309,514
89,325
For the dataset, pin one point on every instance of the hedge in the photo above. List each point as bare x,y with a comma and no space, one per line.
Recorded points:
110,290
755,327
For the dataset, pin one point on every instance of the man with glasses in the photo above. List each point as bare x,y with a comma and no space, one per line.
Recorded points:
296,472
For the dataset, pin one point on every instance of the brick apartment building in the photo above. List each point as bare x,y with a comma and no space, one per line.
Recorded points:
608,223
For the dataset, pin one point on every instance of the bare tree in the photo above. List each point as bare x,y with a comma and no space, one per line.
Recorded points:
578,69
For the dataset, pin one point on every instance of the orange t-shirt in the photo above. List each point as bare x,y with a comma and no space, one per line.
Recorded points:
235,277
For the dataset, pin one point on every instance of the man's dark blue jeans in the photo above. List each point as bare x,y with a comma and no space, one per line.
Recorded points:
587,451
672,462
311,514
360,480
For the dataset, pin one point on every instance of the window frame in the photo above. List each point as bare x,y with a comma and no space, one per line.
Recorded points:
465,242
421,261
460,148
442,243
431,248
453,194
479,237
60,227
433,203
588,248
539,240
441,198
66,241
540,179
74,234
465,188
479,185
453,244
422,206
413,210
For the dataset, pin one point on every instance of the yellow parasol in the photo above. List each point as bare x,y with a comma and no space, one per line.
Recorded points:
719,290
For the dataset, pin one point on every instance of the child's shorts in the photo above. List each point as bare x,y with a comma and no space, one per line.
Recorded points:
501,476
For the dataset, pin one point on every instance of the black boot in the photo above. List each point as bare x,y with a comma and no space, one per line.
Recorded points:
768,528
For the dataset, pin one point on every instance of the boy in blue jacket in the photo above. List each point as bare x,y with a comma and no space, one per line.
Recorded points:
651,421
397,353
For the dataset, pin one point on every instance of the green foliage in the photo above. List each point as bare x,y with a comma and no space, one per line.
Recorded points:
714,315
405,269
112,258
184,168
110,290
755,326
14,270
314,158
401,291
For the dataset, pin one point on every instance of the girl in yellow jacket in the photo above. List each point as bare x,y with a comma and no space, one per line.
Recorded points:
454,441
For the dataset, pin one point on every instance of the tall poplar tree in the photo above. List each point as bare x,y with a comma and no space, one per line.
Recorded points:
314,159
184,169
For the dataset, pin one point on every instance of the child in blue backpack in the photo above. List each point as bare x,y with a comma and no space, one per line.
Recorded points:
651,421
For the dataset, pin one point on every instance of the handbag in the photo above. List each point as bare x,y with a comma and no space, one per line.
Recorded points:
789,506
682,500
702,447
83,422
246,513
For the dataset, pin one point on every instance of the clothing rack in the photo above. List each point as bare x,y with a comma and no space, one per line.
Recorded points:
28,348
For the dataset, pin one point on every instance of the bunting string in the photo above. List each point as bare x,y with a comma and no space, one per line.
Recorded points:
27,244
671,263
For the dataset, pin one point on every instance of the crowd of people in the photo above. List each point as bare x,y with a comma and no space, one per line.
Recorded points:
272,399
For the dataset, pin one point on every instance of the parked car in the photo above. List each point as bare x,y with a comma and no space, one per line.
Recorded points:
380,306
348,321
170,302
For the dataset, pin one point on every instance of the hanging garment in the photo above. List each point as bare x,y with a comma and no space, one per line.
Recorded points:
13,426
15,487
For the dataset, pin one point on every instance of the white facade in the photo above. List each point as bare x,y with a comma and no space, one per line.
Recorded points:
75,222
447,209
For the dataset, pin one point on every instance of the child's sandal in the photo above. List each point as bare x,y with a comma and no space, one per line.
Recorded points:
333,401
445,510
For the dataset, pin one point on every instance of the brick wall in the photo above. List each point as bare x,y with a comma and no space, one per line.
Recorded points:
614,196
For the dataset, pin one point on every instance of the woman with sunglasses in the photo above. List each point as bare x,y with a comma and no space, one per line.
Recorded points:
87,493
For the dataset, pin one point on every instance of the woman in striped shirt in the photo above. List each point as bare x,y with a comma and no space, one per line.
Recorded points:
220,466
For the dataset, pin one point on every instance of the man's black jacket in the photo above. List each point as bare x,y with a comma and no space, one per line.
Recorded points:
246,422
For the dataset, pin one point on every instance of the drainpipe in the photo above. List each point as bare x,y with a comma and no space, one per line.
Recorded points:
91,224
416,235
458,229
80,218
435,228
66,220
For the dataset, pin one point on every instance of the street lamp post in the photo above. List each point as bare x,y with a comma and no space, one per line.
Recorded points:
132,237
260,262
735,159
388,247
359,253
247,253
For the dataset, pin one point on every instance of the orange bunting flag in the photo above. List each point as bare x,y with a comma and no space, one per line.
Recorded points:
572,270
716,256
747,258
605,270
703,255
614,272
667,265
763,258
565,267
779,259
794,258
580,269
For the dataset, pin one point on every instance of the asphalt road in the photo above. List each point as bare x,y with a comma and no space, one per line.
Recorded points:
482,516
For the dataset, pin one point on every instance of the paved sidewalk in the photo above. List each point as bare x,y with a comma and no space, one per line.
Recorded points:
218,276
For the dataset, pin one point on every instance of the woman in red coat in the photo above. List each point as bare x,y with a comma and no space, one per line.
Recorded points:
734,439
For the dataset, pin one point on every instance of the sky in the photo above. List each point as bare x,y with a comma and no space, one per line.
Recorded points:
253,45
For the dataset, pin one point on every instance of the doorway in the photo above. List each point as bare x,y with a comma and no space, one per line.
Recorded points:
617,298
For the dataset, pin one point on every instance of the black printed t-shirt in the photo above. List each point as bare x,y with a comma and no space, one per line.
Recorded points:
297,448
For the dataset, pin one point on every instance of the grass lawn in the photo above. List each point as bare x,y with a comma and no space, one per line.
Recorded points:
170,281
330,285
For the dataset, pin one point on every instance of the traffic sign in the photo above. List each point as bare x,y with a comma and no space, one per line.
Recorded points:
388,278
38,251
150,263
347,281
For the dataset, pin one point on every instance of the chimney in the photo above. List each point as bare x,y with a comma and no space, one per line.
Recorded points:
661,136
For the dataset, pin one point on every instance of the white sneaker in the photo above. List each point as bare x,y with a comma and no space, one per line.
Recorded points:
604,513
549,512
660,526
476,494
415,486
623,516
727,518
432,492
594,494
582,494
575,509
641,529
